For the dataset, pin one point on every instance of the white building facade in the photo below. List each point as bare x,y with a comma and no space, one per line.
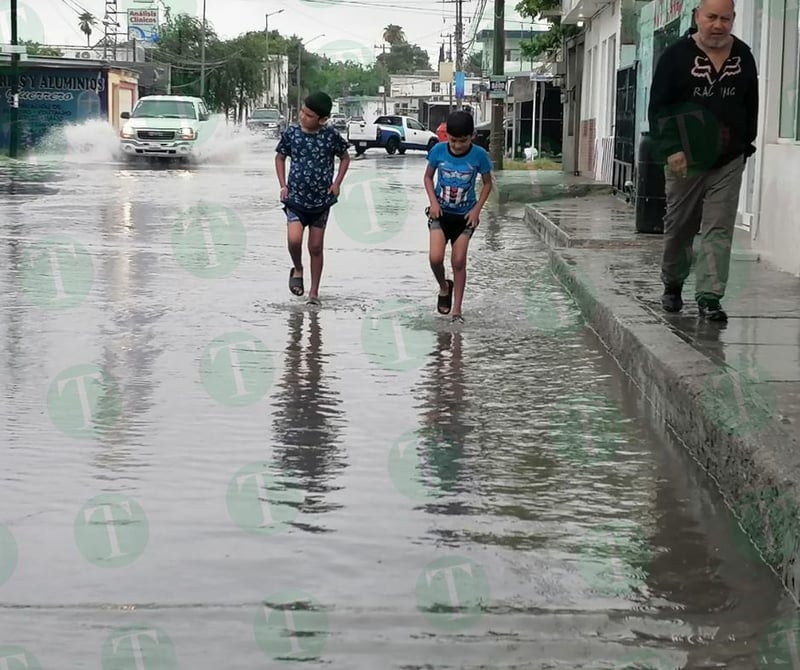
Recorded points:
590,66
769,194
773,199
276,82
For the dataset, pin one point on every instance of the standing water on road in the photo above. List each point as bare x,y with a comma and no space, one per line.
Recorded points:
202,472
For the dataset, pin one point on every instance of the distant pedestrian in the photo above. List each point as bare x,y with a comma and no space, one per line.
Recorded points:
454,211
703,117
311,190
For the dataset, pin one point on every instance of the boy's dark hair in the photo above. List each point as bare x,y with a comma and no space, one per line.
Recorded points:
460,124
320,103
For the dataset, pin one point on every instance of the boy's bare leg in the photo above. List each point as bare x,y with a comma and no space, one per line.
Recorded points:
459,261
316,237
294,234
438,244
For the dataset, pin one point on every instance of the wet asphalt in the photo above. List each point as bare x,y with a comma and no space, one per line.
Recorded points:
201,471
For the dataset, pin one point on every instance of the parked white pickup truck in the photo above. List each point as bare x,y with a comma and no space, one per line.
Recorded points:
394,133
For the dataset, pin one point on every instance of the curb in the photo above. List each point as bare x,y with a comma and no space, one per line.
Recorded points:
763,467
533,191
554,236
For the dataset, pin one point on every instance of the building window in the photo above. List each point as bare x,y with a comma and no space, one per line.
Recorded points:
436,87
789,118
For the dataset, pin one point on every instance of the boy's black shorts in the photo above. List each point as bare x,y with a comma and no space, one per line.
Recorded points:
452,225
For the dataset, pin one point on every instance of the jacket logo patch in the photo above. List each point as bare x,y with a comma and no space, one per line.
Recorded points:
702,69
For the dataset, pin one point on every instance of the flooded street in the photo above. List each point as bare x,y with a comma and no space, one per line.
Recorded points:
202,472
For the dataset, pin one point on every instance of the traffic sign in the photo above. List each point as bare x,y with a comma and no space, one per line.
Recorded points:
497,86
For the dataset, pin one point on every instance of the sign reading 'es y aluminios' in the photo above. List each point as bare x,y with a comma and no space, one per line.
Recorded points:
52,98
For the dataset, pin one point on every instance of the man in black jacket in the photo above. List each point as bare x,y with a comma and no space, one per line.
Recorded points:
703,118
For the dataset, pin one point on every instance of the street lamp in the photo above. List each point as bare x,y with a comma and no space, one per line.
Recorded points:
203,53
266,43
299,55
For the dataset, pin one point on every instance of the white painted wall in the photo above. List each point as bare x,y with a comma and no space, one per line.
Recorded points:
777,236
775,231
421,86
601,62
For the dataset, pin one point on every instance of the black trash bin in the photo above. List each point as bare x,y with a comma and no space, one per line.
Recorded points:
651,201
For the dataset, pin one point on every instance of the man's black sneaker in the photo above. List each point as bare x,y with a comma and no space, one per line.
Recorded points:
671,301
711,308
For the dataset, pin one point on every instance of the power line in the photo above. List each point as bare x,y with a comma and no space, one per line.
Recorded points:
373,5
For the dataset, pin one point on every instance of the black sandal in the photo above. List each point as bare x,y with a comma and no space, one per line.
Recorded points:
296,283
445,302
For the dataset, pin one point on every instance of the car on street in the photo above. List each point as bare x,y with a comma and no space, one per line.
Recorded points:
395,134
268,120
164,126
338,121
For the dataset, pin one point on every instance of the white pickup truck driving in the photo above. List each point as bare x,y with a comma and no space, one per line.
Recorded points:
164,126
396,134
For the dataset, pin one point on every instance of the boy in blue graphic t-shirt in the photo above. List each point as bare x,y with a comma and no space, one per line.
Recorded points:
311,190
454,211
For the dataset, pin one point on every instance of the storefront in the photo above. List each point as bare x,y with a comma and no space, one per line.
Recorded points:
54,92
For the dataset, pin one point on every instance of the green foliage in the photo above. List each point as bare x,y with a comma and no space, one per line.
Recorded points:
404,58
36,49
549,44
235,67
393,34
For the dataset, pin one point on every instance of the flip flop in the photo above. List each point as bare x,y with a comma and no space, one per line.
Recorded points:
313,300
445,302
295,283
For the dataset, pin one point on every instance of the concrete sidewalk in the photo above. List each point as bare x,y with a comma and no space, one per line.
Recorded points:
731,392
527,186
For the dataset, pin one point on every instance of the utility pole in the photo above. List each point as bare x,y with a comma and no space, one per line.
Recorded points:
450,60
459,48
498,140
203,54
385,72
13,135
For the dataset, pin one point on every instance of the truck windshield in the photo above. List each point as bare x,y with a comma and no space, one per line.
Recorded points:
268,114
164,109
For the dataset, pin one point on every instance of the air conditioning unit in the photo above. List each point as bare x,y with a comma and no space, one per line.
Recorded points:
84,54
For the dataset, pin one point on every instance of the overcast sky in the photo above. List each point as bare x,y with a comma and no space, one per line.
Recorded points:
352,28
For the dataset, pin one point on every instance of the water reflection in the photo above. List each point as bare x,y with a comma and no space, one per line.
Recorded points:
307,424
13,307
126,269
442,437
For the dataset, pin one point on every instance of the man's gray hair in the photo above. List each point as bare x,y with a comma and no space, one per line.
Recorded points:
702,2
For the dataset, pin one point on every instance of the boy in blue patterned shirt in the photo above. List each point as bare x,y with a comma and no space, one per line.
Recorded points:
455,210
311,190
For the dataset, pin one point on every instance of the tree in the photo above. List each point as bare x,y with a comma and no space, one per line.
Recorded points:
393,34
86,21
35,49
404,59
549,44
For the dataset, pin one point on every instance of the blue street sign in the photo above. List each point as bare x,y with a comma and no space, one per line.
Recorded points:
461,80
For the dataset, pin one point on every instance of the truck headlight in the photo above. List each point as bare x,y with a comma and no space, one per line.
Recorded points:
188,134
127,132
